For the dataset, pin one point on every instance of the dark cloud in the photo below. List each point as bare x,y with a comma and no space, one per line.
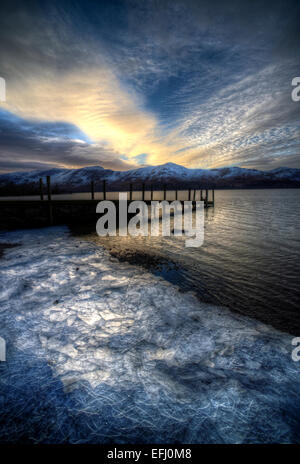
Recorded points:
26,145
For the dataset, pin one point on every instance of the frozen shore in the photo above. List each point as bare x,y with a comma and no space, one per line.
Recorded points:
101,351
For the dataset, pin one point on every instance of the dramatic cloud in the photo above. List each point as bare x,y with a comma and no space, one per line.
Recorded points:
200,83
29,145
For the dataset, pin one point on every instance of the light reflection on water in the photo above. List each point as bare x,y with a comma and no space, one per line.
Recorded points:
249,260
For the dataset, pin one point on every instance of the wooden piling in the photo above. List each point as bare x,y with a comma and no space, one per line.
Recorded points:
143,192
92,190
104,190
213,196
41,189
176,195
189,194
206,197
151,187
165,192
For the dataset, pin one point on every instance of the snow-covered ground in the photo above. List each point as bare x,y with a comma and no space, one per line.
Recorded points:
101,351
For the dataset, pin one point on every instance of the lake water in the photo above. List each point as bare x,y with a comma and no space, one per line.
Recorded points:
249,261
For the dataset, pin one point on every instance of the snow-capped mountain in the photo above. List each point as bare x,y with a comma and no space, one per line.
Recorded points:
170,174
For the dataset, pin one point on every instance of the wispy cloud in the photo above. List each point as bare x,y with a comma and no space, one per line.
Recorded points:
204,84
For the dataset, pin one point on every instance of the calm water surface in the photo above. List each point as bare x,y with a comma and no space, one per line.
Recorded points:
250,260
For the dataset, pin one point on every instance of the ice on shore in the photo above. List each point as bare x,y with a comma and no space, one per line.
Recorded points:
100,351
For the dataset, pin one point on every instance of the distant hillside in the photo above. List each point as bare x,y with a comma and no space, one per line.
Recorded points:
173,175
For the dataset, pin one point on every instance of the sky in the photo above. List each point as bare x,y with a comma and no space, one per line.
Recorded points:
123,84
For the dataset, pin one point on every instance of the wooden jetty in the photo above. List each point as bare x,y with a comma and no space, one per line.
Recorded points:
46,210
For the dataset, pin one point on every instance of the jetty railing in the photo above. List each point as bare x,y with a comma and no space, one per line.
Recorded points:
137,191
192,193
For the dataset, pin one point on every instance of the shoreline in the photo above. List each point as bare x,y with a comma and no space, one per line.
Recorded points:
173,272
159,266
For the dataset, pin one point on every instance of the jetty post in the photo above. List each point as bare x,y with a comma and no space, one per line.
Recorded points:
130,191
165,192
143,192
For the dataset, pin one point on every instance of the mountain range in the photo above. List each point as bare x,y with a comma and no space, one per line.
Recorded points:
173,175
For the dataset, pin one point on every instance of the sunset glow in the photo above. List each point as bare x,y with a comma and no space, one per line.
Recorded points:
133,83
